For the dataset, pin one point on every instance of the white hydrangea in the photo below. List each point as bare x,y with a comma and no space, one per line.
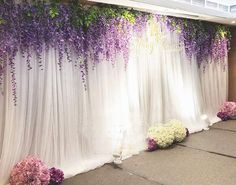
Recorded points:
178,130
162,135
152,131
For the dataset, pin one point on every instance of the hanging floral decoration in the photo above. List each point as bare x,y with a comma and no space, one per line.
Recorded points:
203,40
92,33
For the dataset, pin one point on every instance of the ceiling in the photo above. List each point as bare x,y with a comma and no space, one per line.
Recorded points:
220,11
228,2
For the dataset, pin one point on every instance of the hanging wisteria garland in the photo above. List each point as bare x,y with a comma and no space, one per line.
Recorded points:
95,32
203,40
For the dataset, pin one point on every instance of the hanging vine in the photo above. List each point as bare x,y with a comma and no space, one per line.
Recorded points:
91,32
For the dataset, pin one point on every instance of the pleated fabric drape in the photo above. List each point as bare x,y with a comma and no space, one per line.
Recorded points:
78,129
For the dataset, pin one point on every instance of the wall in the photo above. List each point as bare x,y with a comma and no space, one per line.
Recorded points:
232,67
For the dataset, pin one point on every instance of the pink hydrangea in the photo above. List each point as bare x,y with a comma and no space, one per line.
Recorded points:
229,108
30,171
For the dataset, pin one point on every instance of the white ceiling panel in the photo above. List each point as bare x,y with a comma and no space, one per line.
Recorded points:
226,2
210,10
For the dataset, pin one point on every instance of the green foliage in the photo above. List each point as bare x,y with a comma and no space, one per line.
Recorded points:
128,15
109,12
55,1
2,21
77,14
84,16
222,32
53,12
91,15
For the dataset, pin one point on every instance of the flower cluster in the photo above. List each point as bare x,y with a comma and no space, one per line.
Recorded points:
152,144
227,111
32,171
179,131
56,176
223,116
202,40
91,33
162,136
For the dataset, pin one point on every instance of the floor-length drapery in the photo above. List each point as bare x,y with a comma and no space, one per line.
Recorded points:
75,129
214,82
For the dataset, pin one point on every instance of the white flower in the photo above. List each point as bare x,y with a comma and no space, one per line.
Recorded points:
162,135
165,135
178,130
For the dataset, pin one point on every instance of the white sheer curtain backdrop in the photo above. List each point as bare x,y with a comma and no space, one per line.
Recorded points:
170,85
78,130
214,81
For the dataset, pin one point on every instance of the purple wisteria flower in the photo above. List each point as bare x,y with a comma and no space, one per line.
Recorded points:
201,40
93,34
56,176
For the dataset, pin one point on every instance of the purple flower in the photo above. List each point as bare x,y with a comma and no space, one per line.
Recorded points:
152,145
201,40
229,108
31,28
56,176
223,116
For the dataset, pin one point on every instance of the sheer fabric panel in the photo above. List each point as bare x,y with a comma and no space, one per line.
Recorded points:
77,130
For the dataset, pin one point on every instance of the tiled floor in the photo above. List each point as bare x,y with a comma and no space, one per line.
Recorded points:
205,158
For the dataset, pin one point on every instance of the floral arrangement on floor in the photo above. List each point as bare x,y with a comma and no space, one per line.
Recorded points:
178,130
56,176
32,171
227,111
93,33
164,135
